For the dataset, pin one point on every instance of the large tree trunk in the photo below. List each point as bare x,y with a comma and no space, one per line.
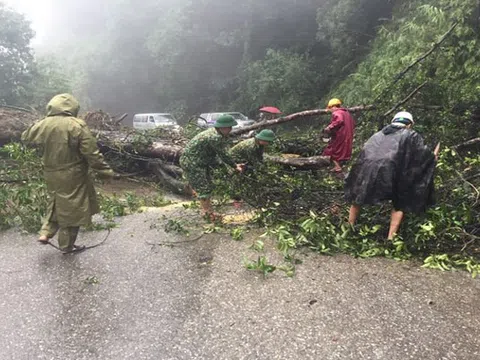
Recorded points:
172,179
166,152
271,123
163,156
303,163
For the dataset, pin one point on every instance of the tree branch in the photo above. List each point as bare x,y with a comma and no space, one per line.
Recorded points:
468,143
405,100
270,123
17,108
401,74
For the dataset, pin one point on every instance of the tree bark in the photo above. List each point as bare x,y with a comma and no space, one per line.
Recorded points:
164,152
304,163
271,123
173,183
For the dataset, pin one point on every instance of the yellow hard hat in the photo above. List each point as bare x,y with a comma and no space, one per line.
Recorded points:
334,102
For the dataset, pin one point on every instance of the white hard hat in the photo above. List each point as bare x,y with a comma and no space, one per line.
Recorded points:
403,115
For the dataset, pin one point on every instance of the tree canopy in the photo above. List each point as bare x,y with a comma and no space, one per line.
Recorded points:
213,55
198,56
16,58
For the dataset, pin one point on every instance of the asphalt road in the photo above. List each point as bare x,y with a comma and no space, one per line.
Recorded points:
131,300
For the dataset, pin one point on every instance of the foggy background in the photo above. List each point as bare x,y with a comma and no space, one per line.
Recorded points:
190,57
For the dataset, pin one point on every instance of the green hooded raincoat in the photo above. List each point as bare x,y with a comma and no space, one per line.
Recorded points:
69,149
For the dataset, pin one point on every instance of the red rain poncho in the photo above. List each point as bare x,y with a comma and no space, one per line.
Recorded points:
341,129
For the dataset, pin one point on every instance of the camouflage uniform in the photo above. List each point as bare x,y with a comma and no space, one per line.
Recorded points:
200,156
247,151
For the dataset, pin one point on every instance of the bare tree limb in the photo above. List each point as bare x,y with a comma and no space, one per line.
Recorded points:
402,73
468,143
427,107
121,118
405,100
271,123
17,108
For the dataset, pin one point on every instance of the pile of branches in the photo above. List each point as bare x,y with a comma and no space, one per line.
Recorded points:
13,121
100,120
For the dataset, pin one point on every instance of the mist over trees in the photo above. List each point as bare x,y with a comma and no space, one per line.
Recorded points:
197,56
16,58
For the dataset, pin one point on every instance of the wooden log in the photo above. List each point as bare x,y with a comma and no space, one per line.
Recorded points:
120,119
164,152
173,170
304,163
164,149
271,123
170,182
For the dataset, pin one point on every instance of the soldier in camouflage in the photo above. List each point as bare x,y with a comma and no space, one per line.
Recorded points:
250,154
202,154
251,151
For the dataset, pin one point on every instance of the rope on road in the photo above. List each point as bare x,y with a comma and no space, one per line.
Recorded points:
86,247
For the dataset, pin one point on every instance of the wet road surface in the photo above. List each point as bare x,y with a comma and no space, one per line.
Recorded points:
131,300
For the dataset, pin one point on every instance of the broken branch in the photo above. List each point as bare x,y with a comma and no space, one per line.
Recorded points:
270,123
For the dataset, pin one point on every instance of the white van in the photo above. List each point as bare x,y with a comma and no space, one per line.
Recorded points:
154,120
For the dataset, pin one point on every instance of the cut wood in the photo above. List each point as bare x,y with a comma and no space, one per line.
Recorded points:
305,163
165,152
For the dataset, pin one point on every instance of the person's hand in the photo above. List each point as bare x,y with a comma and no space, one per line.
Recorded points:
436,152
105,175
326,130
240,168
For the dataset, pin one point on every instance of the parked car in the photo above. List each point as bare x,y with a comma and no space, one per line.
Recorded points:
155,120
208,119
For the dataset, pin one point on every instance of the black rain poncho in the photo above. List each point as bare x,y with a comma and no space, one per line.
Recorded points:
393,165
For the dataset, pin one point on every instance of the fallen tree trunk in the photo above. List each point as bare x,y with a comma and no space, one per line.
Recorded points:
271,123
171,182
172,170
304,163
164,152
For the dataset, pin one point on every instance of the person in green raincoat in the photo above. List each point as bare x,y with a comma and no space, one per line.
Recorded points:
250,153
204,153
69,152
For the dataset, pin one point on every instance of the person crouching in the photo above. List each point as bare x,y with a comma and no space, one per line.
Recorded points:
202,154
396,166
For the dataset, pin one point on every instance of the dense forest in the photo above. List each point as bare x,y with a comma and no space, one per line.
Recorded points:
211,55
189,57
